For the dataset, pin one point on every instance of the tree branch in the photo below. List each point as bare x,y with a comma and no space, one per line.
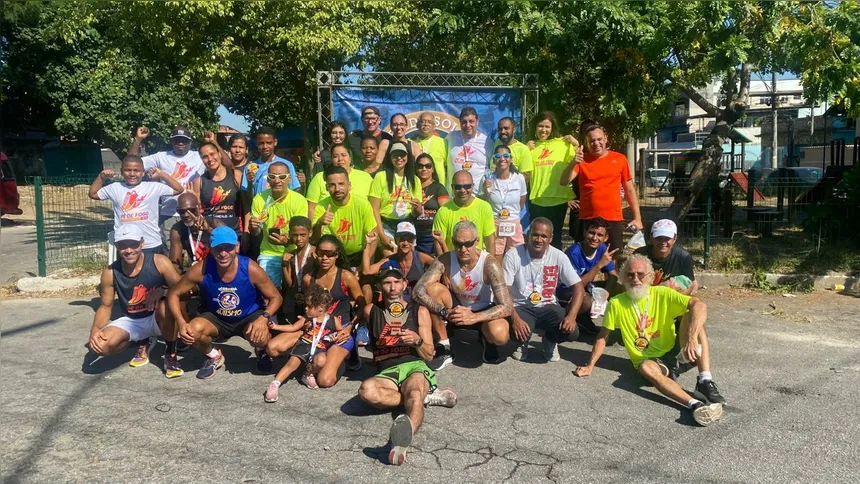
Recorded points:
746,72
700,100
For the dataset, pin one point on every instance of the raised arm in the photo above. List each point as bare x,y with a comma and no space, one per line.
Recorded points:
141,134
98,183
432,275
158,174
368,268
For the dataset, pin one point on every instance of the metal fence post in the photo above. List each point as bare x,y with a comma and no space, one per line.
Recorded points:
40,227
708,228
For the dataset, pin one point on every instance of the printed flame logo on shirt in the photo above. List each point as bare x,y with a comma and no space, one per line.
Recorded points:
138,295
181,171
344,226
280,222
544,153
469,284
131,201
219,195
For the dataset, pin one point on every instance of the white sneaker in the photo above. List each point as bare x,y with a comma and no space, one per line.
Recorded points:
550,350
441,398
705,414
521,353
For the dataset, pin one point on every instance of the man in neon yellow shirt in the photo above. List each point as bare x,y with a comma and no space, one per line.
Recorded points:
346,217
432,144
464,206
359,180
645,315
520,151
271,211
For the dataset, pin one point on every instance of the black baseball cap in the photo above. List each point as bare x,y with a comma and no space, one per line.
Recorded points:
373,109
391,268
180,132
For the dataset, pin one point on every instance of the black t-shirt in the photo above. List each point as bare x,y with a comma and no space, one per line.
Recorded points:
385,326
679,263
435,195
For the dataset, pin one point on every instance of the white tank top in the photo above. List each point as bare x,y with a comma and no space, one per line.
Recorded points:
469,287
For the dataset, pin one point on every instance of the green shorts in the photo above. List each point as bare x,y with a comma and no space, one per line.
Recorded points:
399,373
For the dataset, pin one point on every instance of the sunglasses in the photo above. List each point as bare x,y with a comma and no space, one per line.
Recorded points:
499,156
272,176
407,238
636,275
327,253
467,186
465,245
425,166
182,211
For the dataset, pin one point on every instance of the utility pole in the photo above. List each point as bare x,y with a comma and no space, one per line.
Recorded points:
774,143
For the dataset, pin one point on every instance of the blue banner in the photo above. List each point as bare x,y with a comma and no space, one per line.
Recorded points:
445,105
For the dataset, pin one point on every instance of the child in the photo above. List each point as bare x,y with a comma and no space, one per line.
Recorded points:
298,261
320,328
136,201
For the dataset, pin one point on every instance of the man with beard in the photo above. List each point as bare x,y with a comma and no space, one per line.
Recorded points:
347,217
401,339
137,278
645,315
370,120
432,144
468,149
190,235
238,299
522,155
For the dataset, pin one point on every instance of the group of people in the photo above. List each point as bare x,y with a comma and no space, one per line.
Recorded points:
377,254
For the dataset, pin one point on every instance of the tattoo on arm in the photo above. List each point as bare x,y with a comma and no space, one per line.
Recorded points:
494,276
432,274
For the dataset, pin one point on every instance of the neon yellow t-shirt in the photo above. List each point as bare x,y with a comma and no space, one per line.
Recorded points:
664,305
550,157
359,182
522,156
435,147
351,222
479,212
276,215
396,204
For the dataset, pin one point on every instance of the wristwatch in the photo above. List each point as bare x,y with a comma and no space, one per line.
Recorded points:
419,343
268,316
444,313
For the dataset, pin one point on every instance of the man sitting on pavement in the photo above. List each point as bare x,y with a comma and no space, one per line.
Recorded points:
646,315
232,289
401,339
532,273
673,266
137,278
466,287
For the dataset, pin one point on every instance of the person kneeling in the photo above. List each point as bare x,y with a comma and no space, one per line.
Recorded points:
646,314
402,345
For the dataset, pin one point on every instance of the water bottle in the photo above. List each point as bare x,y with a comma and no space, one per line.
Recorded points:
682,355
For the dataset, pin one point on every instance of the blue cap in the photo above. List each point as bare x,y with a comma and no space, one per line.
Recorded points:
391,267
223,236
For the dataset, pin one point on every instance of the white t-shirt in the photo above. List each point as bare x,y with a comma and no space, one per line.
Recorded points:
137,205
505,194
183,169
525,275
469,155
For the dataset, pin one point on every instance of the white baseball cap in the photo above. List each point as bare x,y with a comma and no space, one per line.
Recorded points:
406,228
130,232
664,228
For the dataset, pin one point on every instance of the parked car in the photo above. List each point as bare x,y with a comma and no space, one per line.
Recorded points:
656,177
9,199
800,179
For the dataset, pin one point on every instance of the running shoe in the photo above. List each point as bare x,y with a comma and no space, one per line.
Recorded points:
521,353
441,398
171,366
264,363
400,437
271,394
142,356
550,350
710,391
443,357
310,380
209,367
706,414
490,353
362,337
353,362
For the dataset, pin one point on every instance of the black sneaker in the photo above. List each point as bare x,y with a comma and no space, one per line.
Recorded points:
490,353
710,391
353,363
264,363
705,414
442,357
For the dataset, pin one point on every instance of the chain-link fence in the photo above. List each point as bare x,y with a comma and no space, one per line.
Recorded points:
71,228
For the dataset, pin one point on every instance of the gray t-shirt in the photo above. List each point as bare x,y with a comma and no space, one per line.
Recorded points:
527,276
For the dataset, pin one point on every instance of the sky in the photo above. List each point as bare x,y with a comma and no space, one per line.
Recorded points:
234,121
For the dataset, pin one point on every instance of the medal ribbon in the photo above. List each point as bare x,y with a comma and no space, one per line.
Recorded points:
193,244
299,266
317,337
641,317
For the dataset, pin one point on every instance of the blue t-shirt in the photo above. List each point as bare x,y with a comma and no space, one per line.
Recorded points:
260,182
582,264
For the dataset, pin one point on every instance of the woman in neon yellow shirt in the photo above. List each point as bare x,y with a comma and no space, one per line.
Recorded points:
550,156
396,194
360,181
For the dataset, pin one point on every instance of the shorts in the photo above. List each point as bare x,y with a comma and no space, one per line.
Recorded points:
505,243
353,261
273,264
389,225
669,365
137,328
228,330
399,373
302,350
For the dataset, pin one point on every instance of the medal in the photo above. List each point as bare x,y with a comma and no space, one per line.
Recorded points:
407,196
534,297
396,309
467,165
505,213
641,343
264,216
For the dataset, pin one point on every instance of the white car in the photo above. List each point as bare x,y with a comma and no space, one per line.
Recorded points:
656,177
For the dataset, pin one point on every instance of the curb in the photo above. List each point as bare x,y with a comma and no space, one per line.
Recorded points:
720,280
50,284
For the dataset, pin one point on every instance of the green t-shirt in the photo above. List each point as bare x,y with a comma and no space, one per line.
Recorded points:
276,216
435,147
479,212
550,157
351,223
359,182
522,156
663,306
395,204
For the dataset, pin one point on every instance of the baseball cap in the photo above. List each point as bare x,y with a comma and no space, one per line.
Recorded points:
223,236
398,147
390,268
180,132
405,228
128,232
664,228
373,109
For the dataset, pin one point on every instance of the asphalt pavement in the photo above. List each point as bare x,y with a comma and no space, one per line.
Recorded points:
790,375
18,255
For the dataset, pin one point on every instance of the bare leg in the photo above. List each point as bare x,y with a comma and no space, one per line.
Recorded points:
282,343
380,392
586,304
497,331
414,389
651,371
292,365
203,332
117,341
166,322
704,361
329,366
439,292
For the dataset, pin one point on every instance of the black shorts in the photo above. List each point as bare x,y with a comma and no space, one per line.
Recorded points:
669,364
228,330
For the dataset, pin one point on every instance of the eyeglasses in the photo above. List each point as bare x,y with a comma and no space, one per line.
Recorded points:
636,275
398,125
272,176
499,156
464,245
370,117
425,166
182,211
406,238
327,253
466,186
